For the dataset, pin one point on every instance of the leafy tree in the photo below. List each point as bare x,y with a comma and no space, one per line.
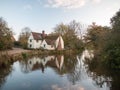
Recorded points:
69,34
115,22
112,49
23,37
106,42
96,36
5,35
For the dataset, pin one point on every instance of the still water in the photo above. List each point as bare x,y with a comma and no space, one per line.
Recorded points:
57,72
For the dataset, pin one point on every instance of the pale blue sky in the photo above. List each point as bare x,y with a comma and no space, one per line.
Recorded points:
45,14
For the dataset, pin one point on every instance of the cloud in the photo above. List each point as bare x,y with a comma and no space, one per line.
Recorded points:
96,1
67,4
40,2
68,87
27,7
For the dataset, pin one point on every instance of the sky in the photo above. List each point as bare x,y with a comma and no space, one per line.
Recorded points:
41,15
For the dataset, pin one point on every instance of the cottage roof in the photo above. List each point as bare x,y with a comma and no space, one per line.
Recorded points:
38,36
50,39
50,42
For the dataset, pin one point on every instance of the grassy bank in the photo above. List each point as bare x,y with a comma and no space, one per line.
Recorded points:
6,57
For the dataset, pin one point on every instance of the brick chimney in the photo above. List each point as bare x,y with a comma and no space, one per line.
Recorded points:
43,34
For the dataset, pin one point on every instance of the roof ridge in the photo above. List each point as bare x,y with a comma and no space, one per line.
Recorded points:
36,32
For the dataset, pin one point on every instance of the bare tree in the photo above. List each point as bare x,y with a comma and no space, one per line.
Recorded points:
23,37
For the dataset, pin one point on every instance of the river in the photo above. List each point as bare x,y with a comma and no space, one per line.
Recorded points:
57,72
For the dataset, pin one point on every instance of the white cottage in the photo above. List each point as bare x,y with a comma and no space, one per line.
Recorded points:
52,42
35,39
42,40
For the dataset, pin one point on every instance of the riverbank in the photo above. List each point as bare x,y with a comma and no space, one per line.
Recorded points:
15,54
14,51
9,56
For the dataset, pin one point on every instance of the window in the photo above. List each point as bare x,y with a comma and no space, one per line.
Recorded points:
30,45
30,62
44,59
30,40
44,45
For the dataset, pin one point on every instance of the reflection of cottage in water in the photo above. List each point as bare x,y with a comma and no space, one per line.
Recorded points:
36,63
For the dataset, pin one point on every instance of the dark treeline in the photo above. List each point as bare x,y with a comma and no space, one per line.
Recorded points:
105,41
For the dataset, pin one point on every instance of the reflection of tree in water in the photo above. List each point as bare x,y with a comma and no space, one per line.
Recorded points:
24,66
5,70
60,64
73,69
103,75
